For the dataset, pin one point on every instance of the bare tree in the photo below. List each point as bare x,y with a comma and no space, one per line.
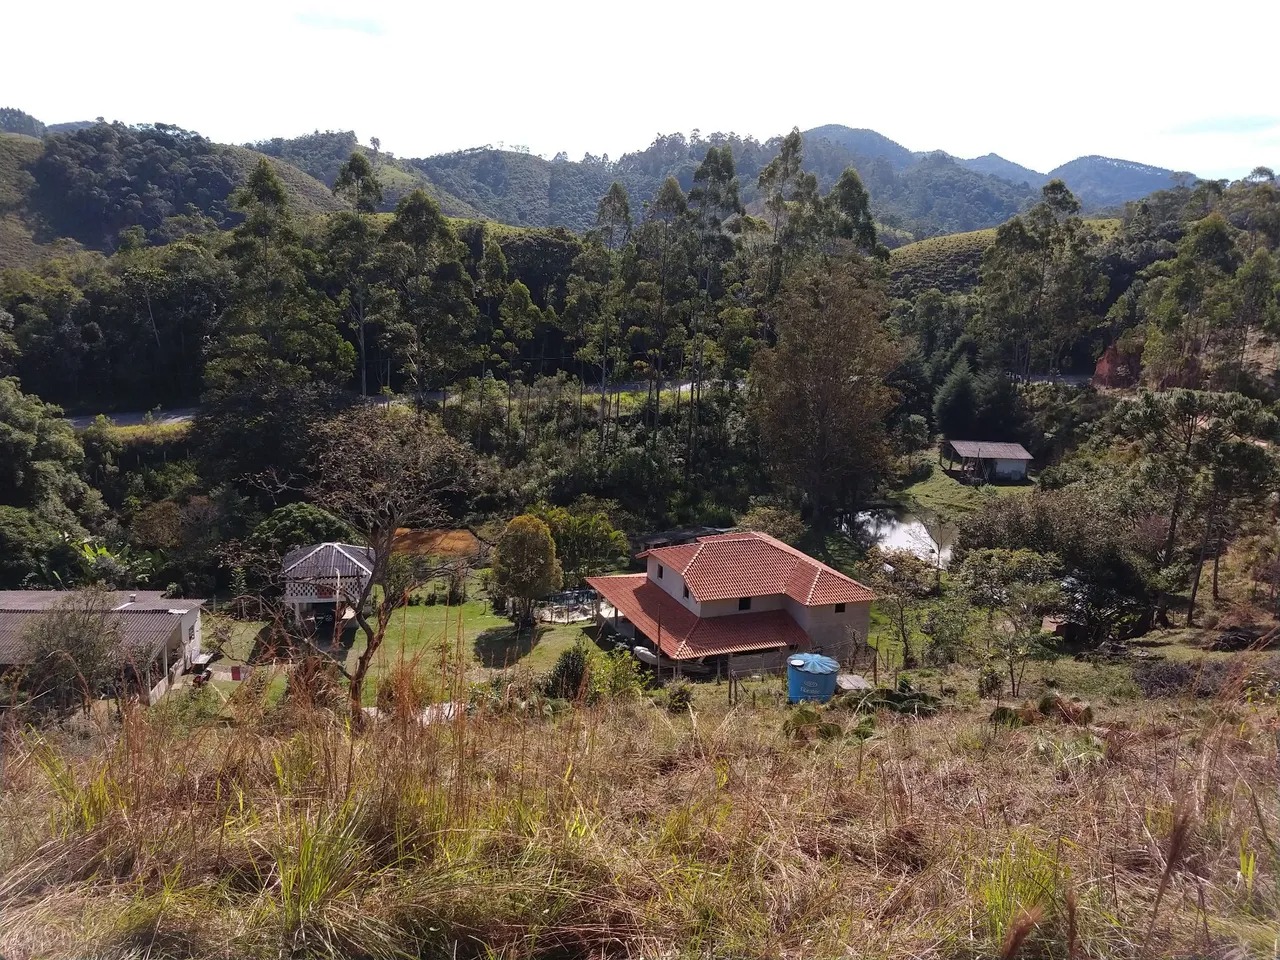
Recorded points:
382,468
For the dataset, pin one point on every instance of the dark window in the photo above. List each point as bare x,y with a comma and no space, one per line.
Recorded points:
744,603
659,571
839,608
686,591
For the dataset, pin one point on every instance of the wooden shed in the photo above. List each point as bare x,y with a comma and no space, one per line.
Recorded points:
990,460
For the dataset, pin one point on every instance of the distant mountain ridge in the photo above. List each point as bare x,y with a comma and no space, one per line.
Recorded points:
914,194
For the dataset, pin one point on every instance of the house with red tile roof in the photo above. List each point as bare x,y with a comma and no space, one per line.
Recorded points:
737,593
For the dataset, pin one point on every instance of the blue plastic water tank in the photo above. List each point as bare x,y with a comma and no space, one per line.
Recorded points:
811,676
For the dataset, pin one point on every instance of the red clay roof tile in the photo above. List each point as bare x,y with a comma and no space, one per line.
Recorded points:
753,564
681,635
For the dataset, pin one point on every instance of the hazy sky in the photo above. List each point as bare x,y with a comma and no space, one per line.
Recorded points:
1189,87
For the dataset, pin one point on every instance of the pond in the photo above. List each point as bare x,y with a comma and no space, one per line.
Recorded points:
906,531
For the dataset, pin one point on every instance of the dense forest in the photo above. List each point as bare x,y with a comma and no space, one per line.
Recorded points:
88,183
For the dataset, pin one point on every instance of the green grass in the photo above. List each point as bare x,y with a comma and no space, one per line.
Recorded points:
433,636
953,500
151,432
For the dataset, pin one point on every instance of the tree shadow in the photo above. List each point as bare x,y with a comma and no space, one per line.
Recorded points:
278,642
501,647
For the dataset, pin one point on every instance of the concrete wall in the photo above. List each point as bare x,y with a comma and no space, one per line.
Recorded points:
192,637
828,629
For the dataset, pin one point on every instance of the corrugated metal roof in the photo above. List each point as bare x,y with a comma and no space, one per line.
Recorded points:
753,564
985,450
324,561
140,634
681,635
48,599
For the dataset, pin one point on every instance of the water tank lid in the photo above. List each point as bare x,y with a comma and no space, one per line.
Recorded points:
813,663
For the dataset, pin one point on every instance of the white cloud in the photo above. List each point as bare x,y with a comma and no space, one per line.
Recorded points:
1037,84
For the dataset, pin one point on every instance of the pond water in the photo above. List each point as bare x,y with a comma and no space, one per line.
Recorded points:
906,531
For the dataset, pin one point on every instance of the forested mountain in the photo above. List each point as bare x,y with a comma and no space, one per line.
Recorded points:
93,184
89,181
994,165
1107,182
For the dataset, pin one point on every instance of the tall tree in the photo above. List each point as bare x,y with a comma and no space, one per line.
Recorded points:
381,469
277,353
1040,281
358,184
820,399
433,317
351,272
613,216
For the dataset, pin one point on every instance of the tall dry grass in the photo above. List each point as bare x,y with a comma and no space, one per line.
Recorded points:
621,830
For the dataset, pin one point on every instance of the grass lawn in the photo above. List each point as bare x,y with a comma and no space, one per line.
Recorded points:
953,500
433,636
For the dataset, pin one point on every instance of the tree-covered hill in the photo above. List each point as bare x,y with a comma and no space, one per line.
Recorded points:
994,165
86,183
320,154
90,185
1107,182
13,120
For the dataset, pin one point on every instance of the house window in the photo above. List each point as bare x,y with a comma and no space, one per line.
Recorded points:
744,603
686,591
839,608
659,571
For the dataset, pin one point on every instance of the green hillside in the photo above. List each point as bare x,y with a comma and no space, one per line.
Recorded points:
86,186
322,153
306,193
18,248
953,263
950,263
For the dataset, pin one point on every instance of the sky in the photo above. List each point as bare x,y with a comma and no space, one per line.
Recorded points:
1037,83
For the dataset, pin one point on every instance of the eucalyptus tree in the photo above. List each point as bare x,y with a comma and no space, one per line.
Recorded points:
358,184
432,316
277,352
1041,281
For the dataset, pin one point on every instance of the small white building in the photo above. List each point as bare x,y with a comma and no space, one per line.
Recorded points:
326,579
156,637
989,460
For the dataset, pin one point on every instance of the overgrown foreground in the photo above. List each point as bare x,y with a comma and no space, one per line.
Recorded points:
626,831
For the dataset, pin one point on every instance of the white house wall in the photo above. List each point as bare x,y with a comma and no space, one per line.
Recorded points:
673,584
725,608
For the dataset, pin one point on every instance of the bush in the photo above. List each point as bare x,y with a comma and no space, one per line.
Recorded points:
617,675
678,696
568,678
404,692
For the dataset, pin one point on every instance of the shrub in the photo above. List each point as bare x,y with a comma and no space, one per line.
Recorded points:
617,675
679,696
568,678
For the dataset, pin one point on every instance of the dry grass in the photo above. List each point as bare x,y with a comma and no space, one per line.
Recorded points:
623,830
437,543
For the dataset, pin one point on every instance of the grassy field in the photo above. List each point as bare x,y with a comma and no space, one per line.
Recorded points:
953,500
625,830
438,639
953,263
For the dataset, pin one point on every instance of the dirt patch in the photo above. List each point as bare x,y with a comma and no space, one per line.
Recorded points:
437,543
